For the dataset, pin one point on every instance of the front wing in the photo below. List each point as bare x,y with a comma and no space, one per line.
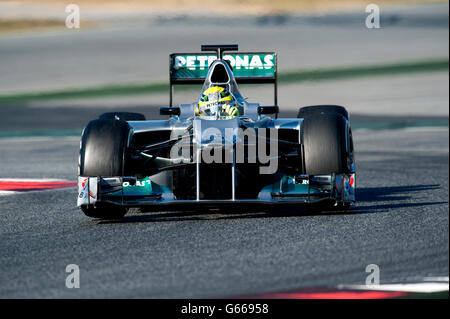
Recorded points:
129,191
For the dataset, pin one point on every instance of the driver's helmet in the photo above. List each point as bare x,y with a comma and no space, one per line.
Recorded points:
214,100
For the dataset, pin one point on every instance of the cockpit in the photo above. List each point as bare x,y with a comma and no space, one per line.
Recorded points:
220,97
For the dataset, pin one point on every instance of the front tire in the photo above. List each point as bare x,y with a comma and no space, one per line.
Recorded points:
325,142
104,152
104,211
328,146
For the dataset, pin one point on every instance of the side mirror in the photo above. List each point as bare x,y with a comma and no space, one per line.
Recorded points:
268,110
171,111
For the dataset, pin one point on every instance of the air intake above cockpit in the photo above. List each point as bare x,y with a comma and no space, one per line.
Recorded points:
219,74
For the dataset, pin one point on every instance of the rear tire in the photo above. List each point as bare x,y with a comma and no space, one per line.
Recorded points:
104,152
322,109
124,116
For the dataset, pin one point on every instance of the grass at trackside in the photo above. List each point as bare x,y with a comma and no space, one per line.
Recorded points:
364,71
39,133
94,92
283,78
17,24
389,124
397,124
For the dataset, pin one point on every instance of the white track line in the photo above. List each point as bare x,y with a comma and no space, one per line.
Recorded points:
7,192
424,287
438,279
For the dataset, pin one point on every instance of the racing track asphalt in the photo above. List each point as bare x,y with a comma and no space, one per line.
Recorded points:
399,223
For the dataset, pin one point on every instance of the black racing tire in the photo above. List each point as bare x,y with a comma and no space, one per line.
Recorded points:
329,206
322,109
104,211
325,144
104,152
124,116
328,146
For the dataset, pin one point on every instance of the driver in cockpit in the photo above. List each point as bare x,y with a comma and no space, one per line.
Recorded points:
218,102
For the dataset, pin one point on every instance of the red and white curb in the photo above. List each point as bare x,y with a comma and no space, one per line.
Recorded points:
9,186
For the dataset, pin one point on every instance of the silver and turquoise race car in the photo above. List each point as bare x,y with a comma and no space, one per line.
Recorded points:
219,151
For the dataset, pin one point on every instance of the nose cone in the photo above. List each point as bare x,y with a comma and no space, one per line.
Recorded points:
218,132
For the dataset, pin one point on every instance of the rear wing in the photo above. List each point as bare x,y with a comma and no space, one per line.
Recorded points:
248,67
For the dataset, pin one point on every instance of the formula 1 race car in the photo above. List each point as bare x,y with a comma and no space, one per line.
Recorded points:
220,150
